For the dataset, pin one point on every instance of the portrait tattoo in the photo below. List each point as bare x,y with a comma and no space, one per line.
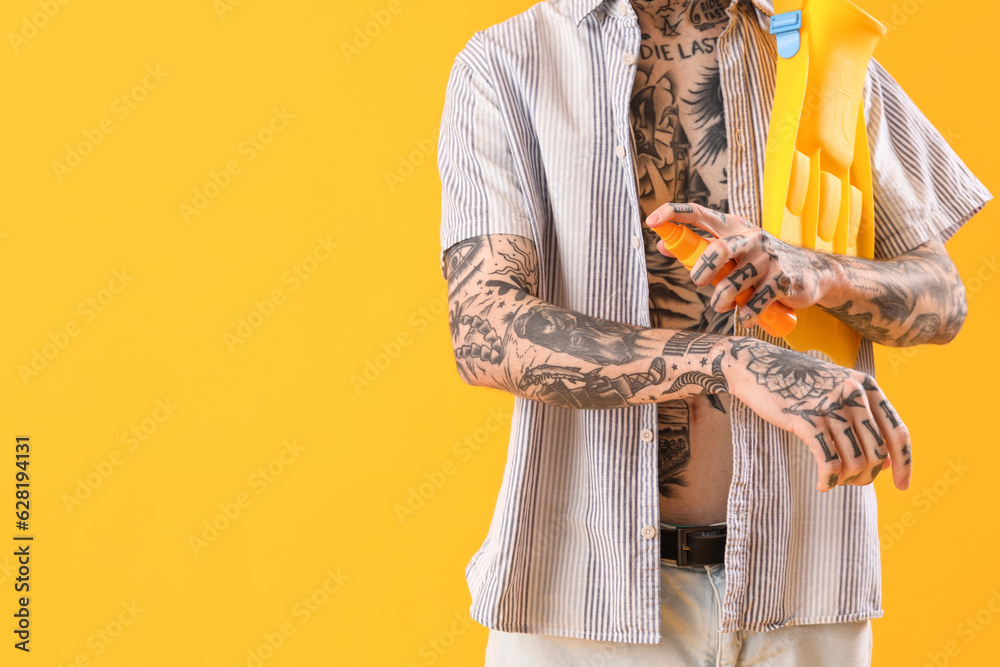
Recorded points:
597,341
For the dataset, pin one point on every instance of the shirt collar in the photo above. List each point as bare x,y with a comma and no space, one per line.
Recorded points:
579,9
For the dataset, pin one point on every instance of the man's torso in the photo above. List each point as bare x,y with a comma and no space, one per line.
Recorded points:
678,127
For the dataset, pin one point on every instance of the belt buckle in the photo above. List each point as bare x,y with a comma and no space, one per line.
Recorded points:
682,546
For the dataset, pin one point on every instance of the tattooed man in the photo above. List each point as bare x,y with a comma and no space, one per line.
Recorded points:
678,491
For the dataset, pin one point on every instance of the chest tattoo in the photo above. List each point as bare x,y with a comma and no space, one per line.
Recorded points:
678,126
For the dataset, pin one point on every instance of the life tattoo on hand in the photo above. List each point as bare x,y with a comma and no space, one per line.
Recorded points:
830,455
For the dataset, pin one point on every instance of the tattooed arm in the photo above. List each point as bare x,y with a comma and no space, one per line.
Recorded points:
913,299
507,338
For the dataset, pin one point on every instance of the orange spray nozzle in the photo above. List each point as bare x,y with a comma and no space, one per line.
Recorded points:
777,319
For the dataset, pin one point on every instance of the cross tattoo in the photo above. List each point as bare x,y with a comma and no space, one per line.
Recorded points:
707,262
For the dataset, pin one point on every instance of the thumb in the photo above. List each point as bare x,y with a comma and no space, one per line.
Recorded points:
663,249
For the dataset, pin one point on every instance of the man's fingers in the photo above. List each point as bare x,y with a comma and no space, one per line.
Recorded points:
897,440
661,246
864,434
690,214
707,267
892,437
828,461
856,459
744,277
766,294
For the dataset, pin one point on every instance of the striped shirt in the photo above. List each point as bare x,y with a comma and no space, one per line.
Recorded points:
535,141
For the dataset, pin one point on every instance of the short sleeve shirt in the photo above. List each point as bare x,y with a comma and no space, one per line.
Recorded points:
535,141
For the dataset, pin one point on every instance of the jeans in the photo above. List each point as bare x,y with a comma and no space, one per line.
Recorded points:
691,604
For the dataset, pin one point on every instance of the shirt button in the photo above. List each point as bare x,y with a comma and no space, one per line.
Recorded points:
623,8
647,435
628,59
620,151
649,532
636,242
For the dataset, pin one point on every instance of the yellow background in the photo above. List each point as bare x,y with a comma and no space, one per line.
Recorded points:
384,588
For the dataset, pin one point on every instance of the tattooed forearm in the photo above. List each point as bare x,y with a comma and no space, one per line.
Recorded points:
587,338
713,384
914,299
504,336
859,321
688,343
570,388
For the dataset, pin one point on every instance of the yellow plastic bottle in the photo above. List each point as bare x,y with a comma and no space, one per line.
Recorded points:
817,171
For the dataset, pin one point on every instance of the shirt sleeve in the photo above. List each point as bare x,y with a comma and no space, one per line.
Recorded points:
921,187
480,192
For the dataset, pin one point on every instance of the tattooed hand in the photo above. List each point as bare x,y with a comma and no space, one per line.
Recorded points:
913,299
842,415
508,338
774,270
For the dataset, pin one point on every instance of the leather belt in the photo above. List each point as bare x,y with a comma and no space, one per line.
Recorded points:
694,545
